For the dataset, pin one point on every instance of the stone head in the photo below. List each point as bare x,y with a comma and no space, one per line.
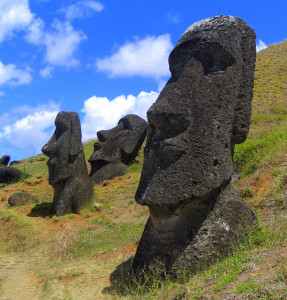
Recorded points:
64,147
202,112
119,144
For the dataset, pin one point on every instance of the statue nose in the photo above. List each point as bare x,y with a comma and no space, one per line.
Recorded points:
159,119
167,121
49,149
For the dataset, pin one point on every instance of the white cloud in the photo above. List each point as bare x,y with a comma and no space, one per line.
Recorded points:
260,46
35,32
28,110
82,9
46,72
2,93
31,132
9,74
147,58
14,15
62,43
102,113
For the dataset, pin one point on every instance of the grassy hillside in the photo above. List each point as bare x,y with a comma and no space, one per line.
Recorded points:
86,256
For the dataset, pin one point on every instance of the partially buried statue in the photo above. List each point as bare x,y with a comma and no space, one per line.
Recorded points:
117,148
68,172
4,160
203,111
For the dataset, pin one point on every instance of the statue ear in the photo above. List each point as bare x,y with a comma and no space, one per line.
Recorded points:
76,136
242,110
241,120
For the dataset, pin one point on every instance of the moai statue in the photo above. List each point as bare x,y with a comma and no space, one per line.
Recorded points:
4,160
117,148
68,173
9,174
202,112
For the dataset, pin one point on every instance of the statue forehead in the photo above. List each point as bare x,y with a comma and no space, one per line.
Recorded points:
225,31
65,118
205,27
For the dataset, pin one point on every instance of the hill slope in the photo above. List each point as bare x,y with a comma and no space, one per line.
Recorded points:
85,256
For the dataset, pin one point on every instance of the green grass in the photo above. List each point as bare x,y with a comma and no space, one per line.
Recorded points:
33,166
1,280
260,150
254,290
136,165
246,287
89,148
75,244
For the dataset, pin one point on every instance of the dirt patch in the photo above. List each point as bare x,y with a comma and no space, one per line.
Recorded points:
19,282
262,182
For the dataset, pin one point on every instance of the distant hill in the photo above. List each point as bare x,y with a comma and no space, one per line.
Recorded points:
270,90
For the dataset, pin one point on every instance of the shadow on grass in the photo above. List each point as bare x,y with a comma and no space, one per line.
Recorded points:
41,210
124,282
121,279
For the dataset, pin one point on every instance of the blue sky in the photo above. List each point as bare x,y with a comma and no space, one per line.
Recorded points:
102,59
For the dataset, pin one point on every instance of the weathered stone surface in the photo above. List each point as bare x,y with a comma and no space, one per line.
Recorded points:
4,160
68,172
22,198
9,174
116,148
203,111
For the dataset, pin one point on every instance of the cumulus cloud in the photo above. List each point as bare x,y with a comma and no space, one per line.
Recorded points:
62,43
260,46
35,33
30,132
102,113
11,75
147,57
82,9
14,15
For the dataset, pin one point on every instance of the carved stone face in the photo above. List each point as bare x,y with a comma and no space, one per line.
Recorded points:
201,113
62,148
119,144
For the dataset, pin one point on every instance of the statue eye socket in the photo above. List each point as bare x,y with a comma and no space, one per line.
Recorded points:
212,56
124,124
215,60
60,130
